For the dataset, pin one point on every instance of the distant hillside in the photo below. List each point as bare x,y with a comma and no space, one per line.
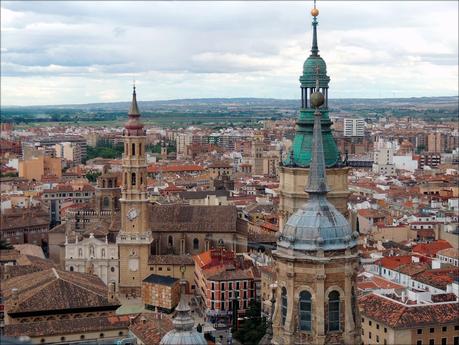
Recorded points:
222,110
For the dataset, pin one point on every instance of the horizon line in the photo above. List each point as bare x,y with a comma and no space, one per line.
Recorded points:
209,98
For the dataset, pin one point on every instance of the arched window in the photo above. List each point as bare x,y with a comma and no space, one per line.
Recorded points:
91,250
133,179
106,202
103,183
133,149
110,183
170,241
195,244
284,305
140,149
71,268
103,252
80,252
141,179
125,178
333,311
305,307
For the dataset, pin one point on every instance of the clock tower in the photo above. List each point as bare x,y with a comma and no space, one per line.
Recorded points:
135,237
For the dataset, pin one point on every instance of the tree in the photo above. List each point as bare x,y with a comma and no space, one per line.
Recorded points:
5,245
252,329
92,175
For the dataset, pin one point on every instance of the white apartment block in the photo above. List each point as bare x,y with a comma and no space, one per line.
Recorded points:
354,127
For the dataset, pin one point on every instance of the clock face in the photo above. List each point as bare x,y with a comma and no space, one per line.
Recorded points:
132,214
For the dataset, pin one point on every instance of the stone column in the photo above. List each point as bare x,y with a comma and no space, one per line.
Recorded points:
289,328
319,305
349,325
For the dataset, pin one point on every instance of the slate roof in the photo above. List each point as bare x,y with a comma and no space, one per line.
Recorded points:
397,315
65,326
54,290
190,218
162,280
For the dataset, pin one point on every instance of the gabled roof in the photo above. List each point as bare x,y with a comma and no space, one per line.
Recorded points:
397,315
54,290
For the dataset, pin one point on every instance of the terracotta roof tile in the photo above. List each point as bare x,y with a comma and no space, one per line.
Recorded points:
65,326
398,315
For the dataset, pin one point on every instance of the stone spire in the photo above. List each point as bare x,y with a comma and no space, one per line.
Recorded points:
134,109
133,126
317,180
183,332
183,320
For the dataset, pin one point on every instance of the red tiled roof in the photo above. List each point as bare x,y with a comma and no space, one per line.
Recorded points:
431,249
438,278
400,316
393,262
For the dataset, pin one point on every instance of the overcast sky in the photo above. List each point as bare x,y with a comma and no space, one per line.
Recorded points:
80,52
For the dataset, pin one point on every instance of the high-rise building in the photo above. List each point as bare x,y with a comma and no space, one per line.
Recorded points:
293,173
354,127
316,261
134,238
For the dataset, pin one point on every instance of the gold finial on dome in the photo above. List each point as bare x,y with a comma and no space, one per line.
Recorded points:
315,11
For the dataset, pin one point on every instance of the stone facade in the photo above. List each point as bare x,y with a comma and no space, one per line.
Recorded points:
292,195
319,275
93,256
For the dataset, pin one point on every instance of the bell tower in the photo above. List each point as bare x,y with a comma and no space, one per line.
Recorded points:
135,237
293,172
316,262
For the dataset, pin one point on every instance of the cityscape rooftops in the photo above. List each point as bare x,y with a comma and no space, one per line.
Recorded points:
396,314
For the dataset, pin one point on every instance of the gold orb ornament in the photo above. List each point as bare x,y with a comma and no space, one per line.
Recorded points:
314,12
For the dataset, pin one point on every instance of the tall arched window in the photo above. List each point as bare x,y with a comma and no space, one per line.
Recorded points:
195,244
140,149
333,311
305,308
106,202
110,183
91,250
284,305
80,252
170,241
133,179
103,252
133,149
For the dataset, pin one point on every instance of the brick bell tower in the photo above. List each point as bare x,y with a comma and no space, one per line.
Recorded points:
134,238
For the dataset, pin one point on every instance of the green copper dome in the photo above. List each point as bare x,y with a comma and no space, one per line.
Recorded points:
308,79
314,69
